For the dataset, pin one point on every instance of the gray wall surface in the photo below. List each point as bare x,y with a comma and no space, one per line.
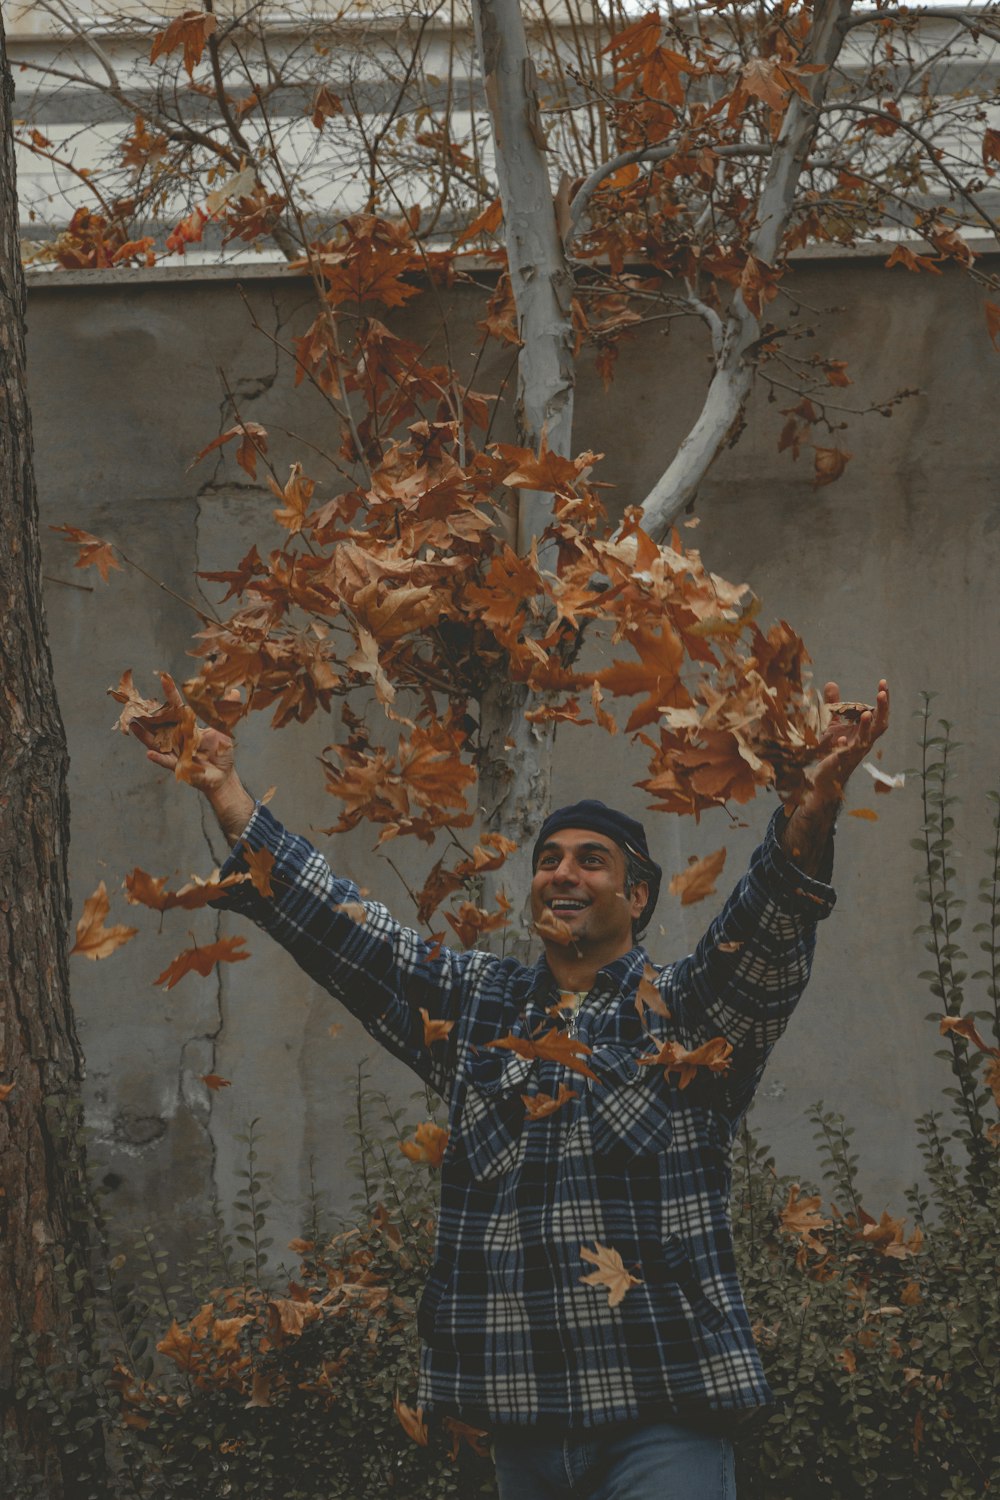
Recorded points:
891,571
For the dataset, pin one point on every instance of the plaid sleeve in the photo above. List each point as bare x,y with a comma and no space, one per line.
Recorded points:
746,976
382,971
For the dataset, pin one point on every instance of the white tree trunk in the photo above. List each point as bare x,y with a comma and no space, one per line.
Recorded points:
722,412
540,278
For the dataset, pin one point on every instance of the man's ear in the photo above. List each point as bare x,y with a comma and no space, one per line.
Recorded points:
638,897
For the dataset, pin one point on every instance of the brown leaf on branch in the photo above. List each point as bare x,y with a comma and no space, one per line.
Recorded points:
253,445
297,493
539,1106
366,661
992,310
714,1055
93,552
202,960
325,106
550,1046
698,880
93,939
190,31
610,1273
828,465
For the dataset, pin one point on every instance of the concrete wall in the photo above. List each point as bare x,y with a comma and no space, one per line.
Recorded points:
891,572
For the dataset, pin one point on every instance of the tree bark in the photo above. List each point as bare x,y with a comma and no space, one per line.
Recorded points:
45,1325
540,279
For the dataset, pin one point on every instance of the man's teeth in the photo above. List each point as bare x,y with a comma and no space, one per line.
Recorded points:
567,905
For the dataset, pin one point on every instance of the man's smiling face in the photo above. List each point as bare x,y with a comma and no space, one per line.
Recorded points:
580,878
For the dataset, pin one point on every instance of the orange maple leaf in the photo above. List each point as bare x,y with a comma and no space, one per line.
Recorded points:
610,1273
801,1216
93,552
427,1146
412,1422
553,929
434,1031
253,445
965,1026
698,880
540,1106
886,1236
215,1082
190,30
714,1055
142,889
259,866
550,1046
93,939
296,494
202,960
648,997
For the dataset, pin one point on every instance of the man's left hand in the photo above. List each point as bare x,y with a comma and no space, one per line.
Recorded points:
846,742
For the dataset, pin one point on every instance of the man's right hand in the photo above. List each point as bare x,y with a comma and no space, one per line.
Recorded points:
213,770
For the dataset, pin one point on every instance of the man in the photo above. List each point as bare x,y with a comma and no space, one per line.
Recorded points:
579,1138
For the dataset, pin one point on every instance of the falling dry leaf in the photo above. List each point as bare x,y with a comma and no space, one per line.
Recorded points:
259,866
648,997
729,947
715,1056
202,960
610,1273
540,1106
214,1081
93,939
550,1046
412,1422
868,813
6,1089
353,909
434,1031
965,1026
883,783
698,880
427,1146
476,1437
142,889
553,929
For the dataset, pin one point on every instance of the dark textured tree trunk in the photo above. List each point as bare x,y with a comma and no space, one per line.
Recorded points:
44,1319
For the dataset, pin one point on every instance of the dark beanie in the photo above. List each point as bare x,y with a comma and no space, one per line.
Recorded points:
626,832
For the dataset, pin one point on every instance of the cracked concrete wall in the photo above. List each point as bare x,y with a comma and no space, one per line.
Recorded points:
891,571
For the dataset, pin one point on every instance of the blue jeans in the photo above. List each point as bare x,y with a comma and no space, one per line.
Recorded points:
655,1461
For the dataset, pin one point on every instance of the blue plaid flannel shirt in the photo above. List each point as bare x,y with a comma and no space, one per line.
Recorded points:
511,1335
